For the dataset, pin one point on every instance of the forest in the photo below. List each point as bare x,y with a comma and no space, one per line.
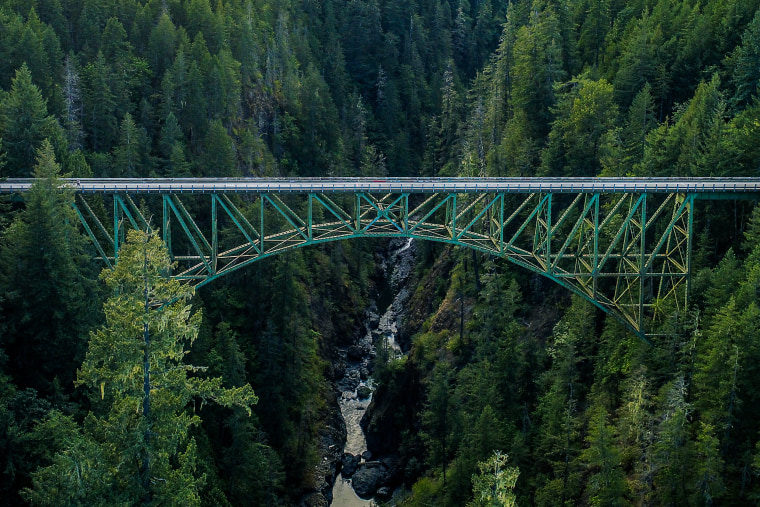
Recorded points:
512,391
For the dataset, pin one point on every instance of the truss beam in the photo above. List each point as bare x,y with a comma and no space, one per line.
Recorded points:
627,253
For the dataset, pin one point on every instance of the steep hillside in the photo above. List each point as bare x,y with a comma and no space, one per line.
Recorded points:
499,359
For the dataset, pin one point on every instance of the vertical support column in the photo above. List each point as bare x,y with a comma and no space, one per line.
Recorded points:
549,232
405,211
501,224
261,225
358,211
689,245
310,219
541,232
451,209
214,234
116,231
642,260
595,269
167,225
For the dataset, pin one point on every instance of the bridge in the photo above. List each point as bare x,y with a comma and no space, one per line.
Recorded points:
624,244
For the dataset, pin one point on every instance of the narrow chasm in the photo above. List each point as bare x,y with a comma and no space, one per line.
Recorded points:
363,478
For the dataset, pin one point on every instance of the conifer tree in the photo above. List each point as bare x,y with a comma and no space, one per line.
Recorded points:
24,123
46,290
135,446
493,486
129,155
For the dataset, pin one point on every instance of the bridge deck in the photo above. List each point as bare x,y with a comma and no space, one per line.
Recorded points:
401,185
624,244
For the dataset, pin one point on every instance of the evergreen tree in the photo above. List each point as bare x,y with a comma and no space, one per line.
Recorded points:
671,460
99,119
162,44
538,65
585,112
438,418
48,295
129,155
135,446
606,486
637,63
493,486
744,63
219,158
24,124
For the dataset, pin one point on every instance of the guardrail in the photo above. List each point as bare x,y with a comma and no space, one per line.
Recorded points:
398,185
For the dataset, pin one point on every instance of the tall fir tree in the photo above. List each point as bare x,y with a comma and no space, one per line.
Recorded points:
135,446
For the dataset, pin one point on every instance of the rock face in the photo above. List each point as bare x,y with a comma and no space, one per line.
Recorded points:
356,353
315,500
331,442
366,479
381,325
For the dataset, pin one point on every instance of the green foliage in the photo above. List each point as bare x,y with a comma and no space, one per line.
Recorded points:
538,65
606,486
135,444
45,298
585,114
744,62
24,124
365,87
129,155
493,485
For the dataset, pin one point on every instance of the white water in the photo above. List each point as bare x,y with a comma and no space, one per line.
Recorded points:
344,496
352,410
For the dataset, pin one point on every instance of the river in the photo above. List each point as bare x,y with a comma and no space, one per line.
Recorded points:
356,386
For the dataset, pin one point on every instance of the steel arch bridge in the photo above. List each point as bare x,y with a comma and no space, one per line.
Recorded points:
623,244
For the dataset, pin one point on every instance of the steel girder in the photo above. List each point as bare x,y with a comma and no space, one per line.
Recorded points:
627,253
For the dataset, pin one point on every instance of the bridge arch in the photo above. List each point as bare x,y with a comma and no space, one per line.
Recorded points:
559,281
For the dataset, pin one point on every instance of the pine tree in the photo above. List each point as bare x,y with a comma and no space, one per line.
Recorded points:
48,294
744,62
99,119
538,57
438,417
135,446
606,486
219,158
24,124
670,459
493,486
129,155
162,44
585,112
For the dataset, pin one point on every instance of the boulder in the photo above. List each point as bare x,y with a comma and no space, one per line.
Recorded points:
384,493
366,455
355,353
366,480
349,463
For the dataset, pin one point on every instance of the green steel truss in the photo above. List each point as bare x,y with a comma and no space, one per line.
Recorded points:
627,253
